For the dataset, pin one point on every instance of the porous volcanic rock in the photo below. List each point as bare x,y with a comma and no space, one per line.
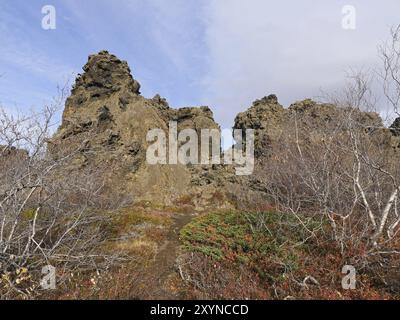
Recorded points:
269,119
107,120
395,127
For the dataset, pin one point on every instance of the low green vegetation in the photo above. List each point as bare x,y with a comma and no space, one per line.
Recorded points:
246,238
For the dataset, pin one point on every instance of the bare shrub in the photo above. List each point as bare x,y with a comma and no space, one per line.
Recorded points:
50,213
344,172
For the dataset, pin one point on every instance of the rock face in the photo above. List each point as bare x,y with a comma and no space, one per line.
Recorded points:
395,127
107,120
104,74
11,162
265,116
269,119
308,124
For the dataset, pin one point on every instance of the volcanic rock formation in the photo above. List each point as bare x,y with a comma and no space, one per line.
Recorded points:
106,120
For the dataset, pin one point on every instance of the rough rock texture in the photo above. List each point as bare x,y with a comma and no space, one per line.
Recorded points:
265,116
395,127
107,120
11,162
314,121
269,118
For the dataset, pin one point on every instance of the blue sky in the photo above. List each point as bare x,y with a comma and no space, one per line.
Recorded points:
163,57
224,54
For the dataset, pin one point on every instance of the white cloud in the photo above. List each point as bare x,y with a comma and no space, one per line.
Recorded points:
174,28
224,54
291,48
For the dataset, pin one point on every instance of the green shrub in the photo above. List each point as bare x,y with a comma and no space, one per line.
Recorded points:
254,239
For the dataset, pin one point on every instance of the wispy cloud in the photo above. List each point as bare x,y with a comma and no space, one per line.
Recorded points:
29,68
22,45
224,54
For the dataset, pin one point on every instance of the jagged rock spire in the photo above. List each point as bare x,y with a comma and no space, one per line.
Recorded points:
104,75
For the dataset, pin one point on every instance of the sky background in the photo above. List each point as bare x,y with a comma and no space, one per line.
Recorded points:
220,53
